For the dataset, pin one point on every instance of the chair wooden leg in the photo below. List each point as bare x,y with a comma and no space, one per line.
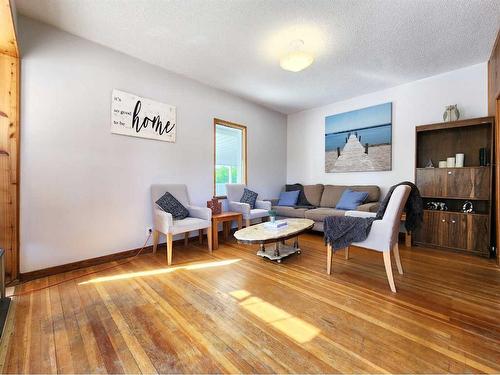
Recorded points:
186,238
170,238
156,235
408,239
388,270
247,223
200,236
329,252
209,239
395,250
346,253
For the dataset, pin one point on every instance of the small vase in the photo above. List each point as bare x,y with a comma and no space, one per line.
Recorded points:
272,219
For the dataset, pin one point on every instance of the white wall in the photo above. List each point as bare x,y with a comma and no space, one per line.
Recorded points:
416,103
85,191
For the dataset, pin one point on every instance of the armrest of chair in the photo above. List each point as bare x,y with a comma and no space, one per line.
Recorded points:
360,214
265,205
244,208
204,213
162,220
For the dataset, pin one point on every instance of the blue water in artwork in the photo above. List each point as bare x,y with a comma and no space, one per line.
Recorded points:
375,135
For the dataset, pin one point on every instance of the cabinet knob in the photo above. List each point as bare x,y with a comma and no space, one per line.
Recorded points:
453,221
449,172
443,220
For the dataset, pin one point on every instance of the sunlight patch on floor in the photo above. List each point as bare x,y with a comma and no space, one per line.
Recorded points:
295,328
160,271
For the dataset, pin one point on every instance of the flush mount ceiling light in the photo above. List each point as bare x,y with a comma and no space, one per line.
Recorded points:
297,59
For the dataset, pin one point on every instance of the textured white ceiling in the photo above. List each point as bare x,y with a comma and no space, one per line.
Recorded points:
360,46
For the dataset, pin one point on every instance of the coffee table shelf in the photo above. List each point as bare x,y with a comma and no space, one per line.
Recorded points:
260,234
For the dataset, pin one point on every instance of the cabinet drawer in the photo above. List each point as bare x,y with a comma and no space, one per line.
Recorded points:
455,230
472,183
461,183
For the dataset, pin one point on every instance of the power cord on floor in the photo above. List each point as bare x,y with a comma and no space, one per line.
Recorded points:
128,260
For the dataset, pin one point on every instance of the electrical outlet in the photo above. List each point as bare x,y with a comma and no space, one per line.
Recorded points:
149,231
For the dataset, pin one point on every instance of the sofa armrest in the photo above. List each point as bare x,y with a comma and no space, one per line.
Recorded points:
274,201
369,207
204,213
243,208
163,221
364,214
265,205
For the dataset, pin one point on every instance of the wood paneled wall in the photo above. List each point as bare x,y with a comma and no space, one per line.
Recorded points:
494,77
9,142
494,110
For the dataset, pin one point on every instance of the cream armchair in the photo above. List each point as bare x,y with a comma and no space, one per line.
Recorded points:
199,218
234,194
383,235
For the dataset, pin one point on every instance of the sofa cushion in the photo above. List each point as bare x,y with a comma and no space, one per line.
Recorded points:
331,195
289,198
350,199
372,190
290,211
319,214
302,201
313,193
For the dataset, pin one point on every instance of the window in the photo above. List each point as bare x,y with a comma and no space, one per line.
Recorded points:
230,155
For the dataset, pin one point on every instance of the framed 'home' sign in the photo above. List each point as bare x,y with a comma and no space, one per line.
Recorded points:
140,117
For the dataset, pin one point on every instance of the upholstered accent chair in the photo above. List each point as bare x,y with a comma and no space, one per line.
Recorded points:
234,193
199,218
383,235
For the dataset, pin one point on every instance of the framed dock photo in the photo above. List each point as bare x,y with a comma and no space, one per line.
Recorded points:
360,140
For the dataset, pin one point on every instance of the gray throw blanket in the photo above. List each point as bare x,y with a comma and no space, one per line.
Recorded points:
342,231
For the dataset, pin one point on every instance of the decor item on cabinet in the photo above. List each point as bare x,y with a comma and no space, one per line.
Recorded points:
459,160
215,205
429,164
450,162
437,206
468,207
455,229
360,140
442,164
140,117
484,157
451,113
272,215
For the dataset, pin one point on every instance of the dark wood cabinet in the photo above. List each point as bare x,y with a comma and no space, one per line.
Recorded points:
453,229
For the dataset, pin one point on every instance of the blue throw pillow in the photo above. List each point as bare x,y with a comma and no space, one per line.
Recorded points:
249,197
350,200
288,198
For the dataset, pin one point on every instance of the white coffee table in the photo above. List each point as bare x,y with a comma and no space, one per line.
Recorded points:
262,235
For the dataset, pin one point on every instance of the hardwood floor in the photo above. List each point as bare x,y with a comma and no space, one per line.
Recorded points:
235,312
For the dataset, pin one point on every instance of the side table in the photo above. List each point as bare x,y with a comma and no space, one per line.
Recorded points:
226,218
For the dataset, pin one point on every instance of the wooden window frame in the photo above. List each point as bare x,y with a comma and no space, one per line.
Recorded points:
233,125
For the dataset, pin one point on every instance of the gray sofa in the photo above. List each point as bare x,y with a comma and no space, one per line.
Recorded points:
323,199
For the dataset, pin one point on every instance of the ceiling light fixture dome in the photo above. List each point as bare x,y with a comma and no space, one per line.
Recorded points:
297,59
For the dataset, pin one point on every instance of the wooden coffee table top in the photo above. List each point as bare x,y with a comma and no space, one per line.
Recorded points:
260,234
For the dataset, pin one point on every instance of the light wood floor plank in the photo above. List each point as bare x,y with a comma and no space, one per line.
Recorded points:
233,312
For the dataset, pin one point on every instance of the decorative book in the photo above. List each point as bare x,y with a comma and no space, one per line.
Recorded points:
278,224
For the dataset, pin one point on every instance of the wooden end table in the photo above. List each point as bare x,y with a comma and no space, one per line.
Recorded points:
226,218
